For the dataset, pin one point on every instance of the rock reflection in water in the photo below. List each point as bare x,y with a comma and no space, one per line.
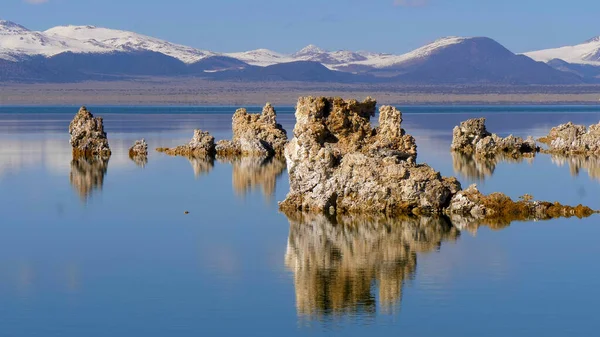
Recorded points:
337,264
590,164
480,168
253,172
139,160
201,164
87,174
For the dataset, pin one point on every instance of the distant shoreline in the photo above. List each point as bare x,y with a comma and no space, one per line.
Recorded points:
197,92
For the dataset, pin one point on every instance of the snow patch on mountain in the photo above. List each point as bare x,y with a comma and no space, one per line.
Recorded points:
17,41
585,53
120,40
388,60
261,57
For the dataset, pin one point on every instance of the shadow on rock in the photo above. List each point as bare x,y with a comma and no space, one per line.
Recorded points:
250,173
343,265
87,174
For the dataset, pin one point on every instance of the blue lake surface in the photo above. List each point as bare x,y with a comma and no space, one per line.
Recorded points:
105,249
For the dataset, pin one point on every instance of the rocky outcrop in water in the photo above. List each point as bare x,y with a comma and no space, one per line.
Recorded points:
471,206
338,162
139,152
87,135
343,265
202,144
254,134
573,139
472,137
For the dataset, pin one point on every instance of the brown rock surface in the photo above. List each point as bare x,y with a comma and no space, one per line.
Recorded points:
337,160
497,209
254,134
202,144
87,135
139,152
472,137
573,139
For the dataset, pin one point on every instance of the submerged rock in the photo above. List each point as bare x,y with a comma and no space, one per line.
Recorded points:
254,134
202,144
87,135
338,161
139,152
573,139
472,137
471,206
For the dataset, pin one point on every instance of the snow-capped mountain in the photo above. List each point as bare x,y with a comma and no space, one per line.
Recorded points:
261,57
73,53
119,40
584,53
17,41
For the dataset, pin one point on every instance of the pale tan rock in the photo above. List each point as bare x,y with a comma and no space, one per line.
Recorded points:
254,134
87,135
573,139
337,160
202,144
472,137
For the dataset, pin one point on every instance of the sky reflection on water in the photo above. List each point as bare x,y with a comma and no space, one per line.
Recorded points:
101,248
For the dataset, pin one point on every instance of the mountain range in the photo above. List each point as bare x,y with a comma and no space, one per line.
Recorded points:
78,53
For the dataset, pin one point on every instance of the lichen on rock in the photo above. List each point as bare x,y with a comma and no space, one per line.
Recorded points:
570,138
254,134
338,161
88,137
202,144
472,137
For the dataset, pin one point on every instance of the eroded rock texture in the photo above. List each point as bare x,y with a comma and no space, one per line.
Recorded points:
472,137
87,135
343,265
254,134
338,161
139,152
202,144
573,139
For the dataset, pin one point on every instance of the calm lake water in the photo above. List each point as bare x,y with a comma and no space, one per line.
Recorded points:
91,248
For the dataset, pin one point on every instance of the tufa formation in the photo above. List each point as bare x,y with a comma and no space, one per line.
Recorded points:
573,139
472,137
254,134
87,135
202,144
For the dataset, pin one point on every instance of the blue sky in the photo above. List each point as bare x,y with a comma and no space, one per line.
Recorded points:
393,26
